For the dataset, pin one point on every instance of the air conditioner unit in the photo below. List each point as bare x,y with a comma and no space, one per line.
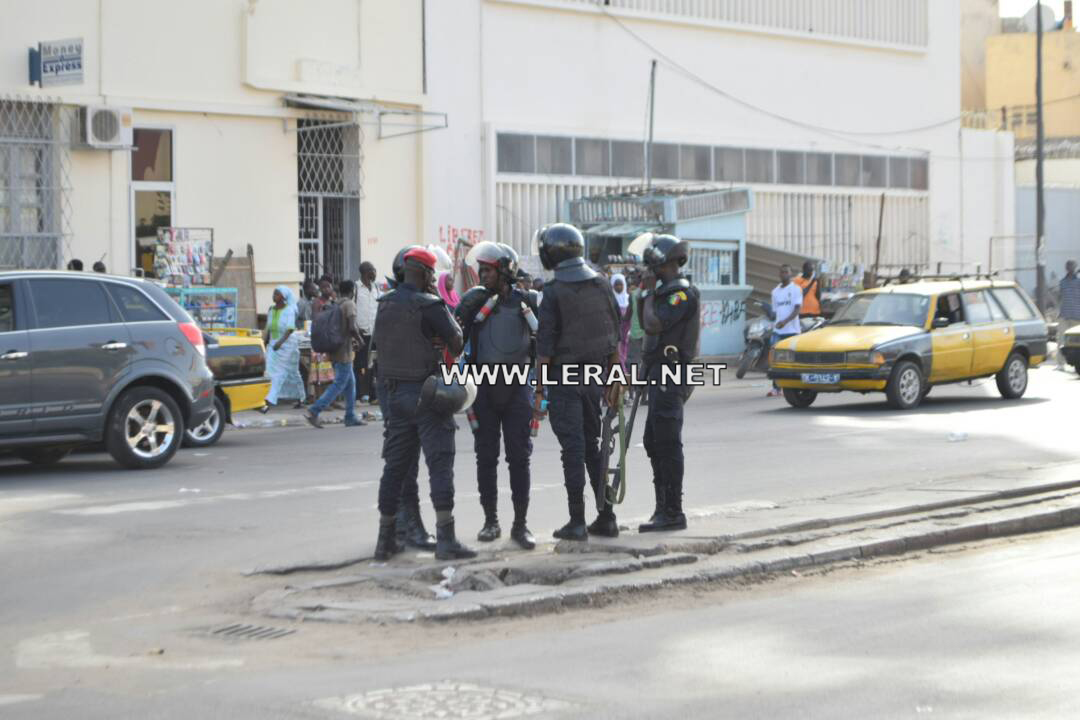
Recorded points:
104,128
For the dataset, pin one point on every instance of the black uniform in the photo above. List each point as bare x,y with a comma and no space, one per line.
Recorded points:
579,324
405,325
678,307
502,408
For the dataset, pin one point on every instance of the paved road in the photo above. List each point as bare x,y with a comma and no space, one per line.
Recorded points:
89,548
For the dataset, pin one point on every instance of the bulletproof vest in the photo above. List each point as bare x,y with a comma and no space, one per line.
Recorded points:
405,353
684,335
504,336
588,329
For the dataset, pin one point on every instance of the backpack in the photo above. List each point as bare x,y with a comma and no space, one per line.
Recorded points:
327,330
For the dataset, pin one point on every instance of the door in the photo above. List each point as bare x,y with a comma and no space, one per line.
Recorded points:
951,345
15,398
991,331
81,350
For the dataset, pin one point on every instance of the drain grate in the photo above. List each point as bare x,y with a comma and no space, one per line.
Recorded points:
239,631
461,701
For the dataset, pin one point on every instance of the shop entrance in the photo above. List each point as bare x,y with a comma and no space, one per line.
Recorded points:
328,183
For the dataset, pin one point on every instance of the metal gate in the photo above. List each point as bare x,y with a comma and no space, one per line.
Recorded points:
35,204
329,183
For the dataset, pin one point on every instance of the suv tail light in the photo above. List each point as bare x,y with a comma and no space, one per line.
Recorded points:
194,335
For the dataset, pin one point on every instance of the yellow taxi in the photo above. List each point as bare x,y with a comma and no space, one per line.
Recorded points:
238,361
1071,348
904,339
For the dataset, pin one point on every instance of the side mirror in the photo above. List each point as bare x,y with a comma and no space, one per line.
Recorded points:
940,322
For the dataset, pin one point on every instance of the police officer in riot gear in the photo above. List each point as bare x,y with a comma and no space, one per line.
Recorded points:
502,338
411,327
579,325
410,530
671,317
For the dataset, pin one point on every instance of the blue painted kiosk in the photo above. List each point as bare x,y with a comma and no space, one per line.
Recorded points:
713,221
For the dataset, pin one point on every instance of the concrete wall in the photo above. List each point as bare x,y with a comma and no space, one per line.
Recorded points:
1062,232
988,194
1063,172
980,21
1010,73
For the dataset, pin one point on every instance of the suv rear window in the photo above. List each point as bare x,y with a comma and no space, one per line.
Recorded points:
7,308
1013,303
134,306
70,303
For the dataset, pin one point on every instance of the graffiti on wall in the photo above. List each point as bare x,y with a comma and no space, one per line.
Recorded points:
449,234
719,314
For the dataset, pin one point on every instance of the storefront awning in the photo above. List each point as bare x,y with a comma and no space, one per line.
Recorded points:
391,121
630,230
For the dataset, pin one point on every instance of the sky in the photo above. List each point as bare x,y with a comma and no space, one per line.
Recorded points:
1016,8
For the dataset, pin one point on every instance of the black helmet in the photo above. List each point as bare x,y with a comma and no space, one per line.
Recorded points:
656,250
559,242
499,255
398,266
446,398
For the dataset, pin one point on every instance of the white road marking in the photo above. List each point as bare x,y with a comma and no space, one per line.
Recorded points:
11,504
73,650
155,505
13,699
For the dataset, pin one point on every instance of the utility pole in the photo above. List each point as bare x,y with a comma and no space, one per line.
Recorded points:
1040,210
652,113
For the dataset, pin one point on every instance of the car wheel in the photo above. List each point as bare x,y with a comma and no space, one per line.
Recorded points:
210,431
906,386
1012,380
145,428
44,455
799,398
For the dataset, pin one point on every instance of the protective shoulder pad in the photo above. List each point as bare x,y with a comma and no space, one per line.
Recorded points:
424,299
673,286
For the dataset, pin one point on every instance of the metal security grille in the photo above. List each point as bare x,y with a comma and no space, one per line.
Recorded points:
329,173
35,205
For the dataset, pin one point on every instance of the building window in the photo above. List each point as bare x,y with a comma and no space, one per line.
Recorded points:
665,161
516,153
714,267
694,162
592,157
627,159
729,164
848,170
791,168
819,169
759,166
554,156
920,174
874,171
899,172
152,191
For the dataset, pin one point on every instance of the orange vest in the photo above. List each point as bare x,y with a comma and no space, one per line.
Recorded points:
810,304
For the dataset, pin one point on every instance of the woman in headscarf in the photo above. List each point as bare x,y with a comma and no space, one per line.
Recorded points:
622,297
447,292
282,349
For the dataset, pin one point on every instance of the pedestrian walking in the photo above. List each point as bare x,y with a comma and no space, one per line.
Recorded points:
343,315
787,299
810,285
1069,315
671,316
367,296
321,371
622,298
282,349
501,338
412,326
579,325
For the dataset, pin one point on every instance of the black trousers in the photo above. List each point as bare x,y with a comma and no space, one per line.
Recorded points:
409,431
574,411
663,438
410,486
503,410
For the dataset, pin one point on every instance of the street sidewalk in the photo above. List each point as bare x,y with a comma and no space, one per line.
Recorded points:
737,542
287,416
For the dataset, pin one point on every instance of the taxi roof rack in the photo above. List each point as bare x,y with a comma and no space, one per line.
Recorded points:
946,276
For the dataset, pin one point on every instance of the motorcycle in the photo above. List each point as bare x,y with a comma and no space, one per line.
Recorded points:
758,339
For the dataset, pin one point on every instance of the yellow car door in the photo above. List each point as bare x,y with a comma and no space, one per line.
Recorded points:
991,332
950,341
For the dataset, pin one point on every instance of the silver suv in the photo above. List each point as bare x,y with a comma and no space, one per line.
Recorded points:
87,358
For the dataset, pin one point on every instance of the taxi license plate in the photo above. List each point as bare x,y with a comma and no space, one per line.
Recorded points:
821,378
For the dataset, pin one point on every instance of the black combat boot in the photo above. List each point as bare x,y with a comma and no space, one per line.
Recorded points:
386,546
401,525
519,532
575,529
416,535
491,530
447,546
658,509
605,524
673,499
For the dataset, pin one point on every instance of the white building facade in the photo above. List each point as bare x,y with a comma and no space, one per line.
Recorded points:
290,127
548,102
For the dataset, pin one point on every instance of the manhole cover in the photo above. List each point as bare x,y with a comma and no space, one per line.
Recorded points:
250,632
444,701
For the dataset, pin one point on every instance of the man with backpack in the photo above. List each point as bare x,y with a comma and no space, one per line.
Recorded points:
334,331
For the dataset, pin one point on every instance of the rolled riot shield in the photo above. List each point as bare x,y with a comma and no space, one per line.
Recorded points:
446,398
614,442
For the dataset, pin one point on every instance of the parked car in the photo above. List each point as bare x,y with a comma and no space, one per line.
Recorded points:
904,339
88,359
238,363
1071,348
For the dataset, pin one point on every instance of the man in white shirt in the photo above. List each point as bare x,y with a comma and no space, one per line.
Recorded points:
786,301
367,296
